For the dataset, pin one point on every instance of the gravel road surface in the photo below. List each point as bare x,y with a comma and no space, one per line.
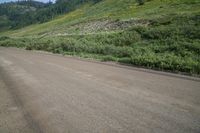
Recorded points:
46,93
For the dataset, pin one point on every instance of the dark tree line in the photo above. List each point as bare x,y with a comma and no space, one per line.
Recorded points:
25,12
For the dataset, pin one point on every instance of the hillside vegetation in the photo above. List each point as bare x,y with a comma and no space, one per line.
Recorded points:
26,12
159,34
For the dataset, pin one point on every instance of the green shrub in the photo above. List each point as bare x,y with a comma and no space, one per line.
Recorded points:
140,2
158,33
2,38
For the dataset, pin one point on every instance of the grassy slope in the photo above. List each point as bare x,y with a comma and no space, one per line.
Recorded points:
113,9
163,44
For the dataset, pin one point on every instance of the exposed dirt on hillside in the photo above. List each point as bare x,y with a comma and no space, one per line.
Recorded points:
98,26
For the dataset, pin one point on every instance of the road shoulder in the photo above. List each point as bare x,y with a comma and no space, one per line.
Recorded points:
11,115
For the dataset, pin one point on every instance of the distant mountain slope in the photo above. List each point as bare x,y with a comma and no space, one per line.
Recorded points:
19,14
27,12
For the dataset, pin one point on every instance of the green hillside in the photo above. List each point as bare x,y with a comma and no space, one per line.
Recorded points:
19,14
160,34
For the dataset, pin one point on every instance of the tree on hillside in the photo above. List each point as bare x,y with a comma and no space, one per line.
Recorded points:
140,2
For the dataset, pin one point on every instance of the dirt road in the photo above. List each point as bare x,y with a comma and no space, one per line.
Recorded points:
58,94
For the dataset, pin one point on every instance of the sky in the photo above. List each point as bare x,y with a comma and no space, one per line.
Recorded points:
2,1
